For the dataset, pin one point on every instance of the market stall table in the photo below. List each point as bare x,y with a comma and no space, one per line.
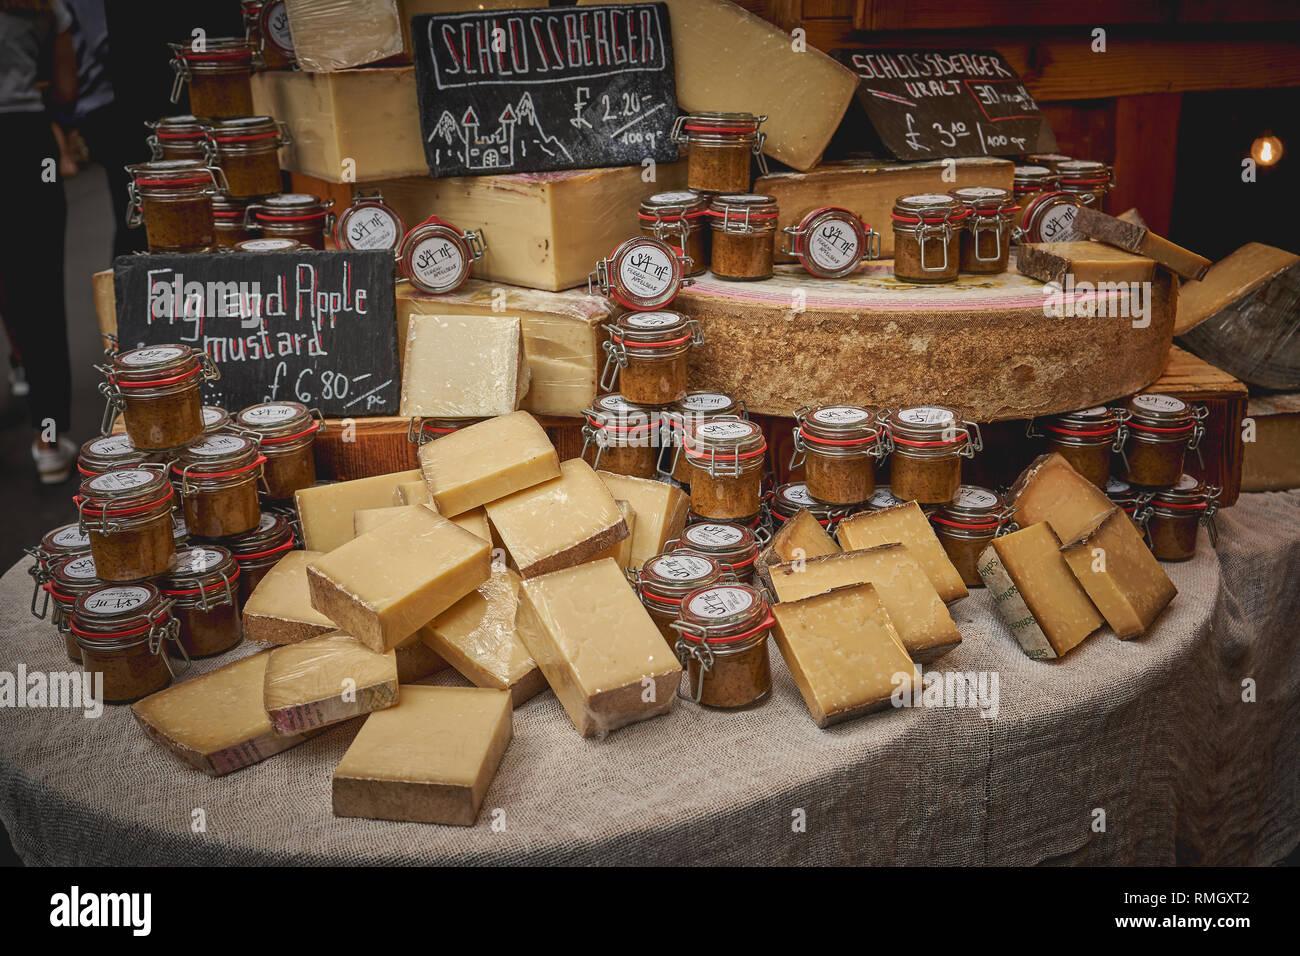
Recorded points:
1153,731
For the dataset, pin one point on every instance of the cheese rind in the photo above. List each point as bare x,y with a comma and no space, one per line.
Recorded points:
1084,261
486,461
558,523
1036,593
918,614
621,552
1140,240
430,759
1051,490
596,644
325,680
279,610
660,512
1230,279
326,510
843,652
476,635
905,524
216,722
1120,575
463,366
385,585
415,660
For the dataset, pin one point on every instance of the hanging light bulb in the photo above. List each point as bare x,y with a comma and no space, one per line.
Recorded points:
1267,149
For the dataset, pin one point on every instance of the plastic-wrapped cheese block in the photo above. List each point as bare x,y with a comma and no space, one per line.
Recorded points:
486,461
476,635
1120,575
325,680
621,551
216,722
843,652
558,523
279,610
729,60
919,615
905,524
326,510
1036,593
412,493
368,519
1051,490
562,331
596,644
660,512
385,585
430,759
463,366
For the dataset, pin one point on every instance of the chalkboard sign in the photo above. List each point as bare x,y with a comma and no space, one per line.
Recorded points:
537,90
926,104
314,327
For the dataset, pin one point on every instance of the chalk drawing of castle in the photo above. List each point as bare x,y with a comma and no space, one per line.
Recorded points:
517,129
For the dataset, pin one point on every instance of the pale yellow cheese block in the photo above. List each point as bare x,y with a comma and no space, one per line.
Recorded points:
385,585
463,366
476,635
621,551
327,679
368,519
558,523
843,652
486,461
596,644
660,512
1232,277
803,537
430,759
918,614
216,722
326,510
1051,490
1036,593
1085,261
412,493
905,524
279,610
1120,575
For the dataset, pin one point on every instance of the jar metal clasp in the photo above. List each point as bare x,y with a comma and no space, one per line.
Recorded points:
40,577
1199,414
182,70
982,224
699,650
974,440
1212,493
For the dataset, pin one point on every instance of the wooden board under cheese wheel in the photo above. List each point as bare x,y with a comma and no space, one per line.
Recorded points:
984,344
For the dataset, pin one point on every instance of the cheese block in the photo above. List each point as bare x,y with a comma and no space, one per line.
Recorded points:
326,510
905,524
542,230
486,461
351,126
1133,216
105,302
802,537
918,614
558,523
660,513
621,551
562,334
1272,461
1036,593
368,519
463,366
476,635
1139,239
415,660
430,759
279,610
729,60
993,345
1228,281
869,188
1120,575
414,492
843,652
1082,261
1051,490
216,722
596,644
325,680
385,585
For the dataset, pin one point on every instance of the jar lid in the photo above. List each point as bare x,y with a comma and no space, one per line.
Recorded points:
673,206
731,544
369,223
727,440
927,426
842,426
100,454
201,567
65,540
1155,410
831,242
272,535
712,121
1082,172
123,490
643,274
240,132
724,613
667,578
1049,217
216,50
183,128
437,257
1189,491
291,207
216,454
975,507
652,329
270,245
930,207
983,199
215,418
1121,493
739,211
276,422
1097,421
274,23
791,498
432,428
1047,159
74,575
1032,175
616,413
883,498
707,402
155,365
116,609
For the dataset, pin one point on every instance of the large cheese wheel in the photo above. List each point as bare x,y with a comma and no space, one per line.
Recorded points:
984,344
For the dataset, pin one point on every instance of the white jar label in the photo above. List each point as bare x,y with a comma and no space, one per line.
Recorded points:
925,415
721,602
1186,483
681,567
1097,411
652,320
80,569
121,480
883,498
725,430
153,356
117,599
929,199
267,520
438,263
71,538
645,272
705,402
1057,223
112,445
277,26
833,244
1155,402
712,535
371,227
197,560
267,245
798,494
978,192
212,415
215,445
1116,487
972,497
270,414
840,415
676,196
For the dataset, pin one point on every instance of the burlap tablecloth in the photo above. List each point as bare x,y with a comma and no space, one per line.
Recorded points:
1152,733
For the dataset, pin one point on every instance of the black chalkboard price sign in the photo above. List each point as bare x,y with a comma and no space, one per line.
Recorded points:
546,89
314,327
926,104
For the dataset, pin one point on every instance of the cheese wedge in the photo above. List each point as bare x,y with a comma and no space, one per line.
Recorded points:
802,537
622,551
463,366
1120,575
487,461
660,512
325,680
905,524
1085,261
1051,490
412,493
326,510
368,519
279,610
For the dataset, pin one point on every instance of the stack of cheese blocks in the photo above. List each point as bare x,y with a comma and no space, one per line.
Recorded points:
401,579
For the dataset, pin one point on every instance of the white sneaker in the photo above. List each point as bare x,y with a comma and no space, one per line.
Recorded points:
54,464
